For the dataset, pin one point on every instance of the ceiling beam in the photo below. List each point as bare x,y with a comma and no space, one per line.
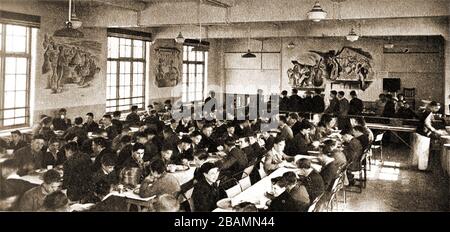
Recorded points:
133,5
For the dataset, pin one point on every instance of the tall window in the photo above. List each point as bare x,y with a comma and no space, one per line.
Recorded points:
125,84
194,74
15,74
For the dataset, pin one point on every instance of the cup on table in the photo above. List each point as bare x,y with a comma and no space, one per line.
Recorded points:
90,134
120,188
9,151
172,168
49,167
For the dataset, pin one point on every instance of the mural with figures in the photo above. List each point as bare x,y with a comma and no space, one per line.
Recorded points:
69,64
168,67
349,64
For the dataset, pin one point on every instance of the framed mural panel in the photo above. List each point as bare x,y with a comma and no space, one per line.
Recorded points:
168,67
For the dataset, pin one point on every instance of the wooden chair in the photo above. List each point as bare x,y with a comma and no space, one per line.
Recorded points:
314,206
233,191
410,96
185,195
377,144
245,183
337,186
247,171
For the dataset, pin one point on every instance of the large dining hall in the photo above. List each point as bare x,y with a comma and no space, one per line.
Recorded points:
224,106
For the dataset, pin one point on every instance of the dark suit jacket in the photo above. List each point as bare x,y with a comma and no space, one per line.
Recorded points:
205,196
13,187
329,173
112,132
343,107
61,124
314,185
77,176
208,143
234,162
118,124
28,160
296,128
111,178
133,119
333,108
283,203
356,106
284,104
17,146
318,105
76,131
353,151
91,127
300,145
98,160
295,103
49,159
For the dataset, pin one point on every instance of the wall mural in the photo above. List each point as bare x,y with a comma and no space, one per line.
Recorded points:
70,64
348,65
168,67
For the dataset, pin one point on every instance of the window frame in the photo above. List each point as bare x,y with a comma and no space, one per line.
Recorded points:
186,84
28,76
132,61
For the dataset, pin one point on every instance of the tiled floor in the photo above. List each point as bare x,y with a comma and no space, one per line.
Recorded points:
398,187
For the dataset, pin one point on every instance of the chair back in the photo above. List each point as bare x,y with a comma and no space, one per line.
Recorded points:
247,171
245,183
233,191
313,206
379,137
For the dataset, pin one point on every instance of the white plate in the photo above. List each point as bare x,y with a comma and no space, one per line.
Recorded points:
224,203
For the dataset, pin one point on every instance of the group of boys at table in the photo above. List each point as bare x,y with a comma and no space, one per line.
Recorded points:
101,165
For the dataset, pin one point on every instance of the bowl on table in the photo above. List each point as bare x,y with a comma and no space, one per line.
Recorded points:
9,151
224,203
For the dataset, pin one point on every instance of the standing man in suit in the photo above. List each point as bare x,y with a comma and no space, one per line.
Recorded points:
318,104
295,101
333,108
356,106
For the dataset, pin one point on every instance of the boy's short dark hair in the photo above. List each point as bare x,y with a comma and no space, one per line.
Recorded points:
158,166
17,132
117,113
71,146
107,116
100,142
134,108
109,159
334,92
51,176
78,120
138,146
90,114
207,166
304,163
341,93
55,200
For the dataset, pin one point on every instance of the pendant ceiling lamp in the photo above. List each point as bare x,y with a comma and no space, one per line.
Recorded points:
352,36
69,30
317,13
200,47
248,54
179,39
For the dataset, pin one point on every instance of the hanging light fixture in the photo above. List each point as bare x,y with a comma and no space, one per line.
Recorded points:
291,45
248,54
200,47
76,23
352,36
317,13
69,30
179,39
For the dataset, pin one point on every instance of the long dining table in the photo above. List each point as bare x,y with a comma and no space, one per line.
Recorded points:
256,193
